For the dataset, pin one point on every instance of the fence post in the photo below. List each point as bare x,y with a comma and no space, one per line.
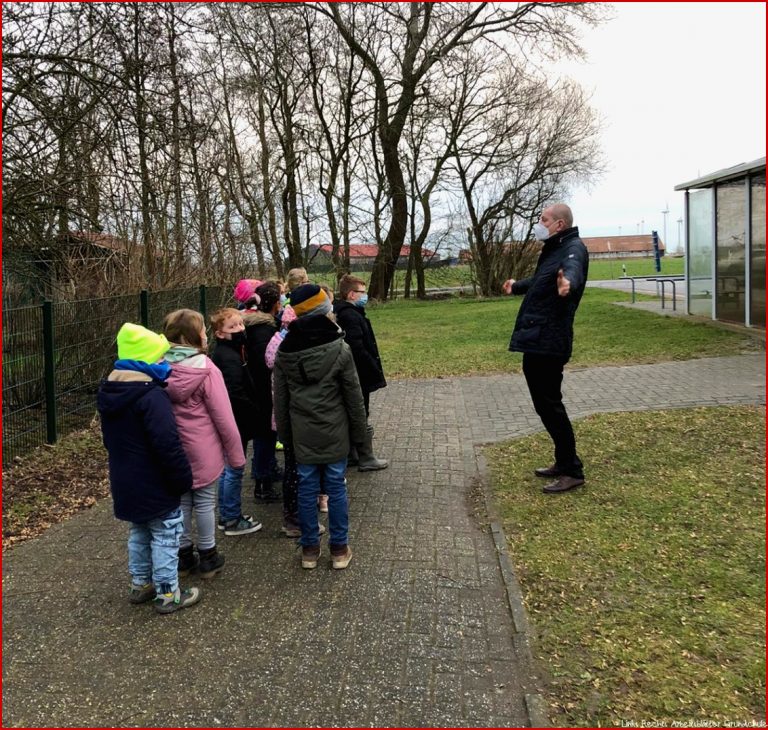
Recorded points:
203,301
49,372
144,307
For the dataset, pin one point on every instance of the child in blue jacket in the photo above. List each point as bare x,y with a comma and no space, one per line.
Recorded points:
148,468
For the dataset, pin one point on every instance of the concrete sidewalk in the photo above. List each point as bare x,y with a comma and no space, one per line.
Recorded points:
423,629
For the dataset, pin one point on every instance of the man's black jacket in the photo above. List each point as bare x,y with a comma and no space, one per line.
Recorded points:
544,323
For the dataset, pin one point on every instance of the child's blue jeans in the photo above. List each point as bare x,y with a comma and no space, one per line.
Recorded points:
230,493
153,551
338,509
263,461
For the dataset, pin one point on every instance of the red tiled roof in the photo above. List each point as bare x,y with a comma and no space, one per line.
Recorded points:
367,250
621,244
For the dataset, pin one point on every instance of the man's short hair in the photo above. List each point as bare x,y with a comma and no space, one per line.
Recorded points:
561,212
348,283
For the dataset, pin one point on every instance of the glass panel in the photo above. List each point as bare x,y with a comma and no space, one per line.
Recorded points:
700,252
757,285
731,237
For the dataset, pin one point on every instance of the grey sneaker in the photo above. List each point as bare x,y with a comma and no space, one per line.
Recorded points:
142,594
172,602
222,523
241,526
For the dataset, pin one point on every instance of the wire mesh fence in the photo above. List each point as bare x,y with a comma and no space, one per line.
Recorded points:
55,355
24,411
84,345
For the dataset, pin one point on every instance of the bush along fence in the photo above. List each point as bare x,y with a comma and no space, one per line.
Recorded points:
55,354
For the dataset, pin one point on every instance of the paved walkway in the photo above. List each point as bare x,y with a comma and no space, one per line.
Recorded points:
421,630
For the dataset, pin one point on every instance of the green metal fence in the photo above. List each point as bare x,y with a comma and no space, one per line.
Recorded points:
55,354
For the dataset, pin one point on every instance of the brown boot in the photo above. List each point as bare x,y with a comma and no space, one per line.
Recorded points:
563,483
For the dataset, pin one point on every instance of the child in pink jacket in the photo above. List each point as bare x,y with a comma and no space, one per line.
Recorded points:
208,433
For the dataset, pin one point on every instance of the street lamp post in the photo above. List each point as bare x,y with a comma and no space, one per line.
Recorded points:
679,228
665,213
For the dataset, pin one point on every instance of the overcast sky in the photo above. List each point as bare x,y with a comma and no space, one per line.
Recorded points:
681,89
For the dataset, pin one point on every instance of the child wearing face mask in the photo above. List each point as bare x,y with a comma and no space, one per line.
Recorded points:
231,357
358,334
208,432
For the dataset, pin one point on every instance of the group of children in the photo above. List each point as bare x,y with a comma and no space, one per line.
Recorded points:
176,424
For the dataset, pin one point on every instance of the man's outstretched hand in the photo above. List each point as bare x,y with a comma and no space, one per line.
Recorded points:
563,285
507,286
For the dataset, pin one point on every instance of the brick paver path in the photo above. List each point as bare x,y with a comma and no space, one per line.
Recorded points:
417,632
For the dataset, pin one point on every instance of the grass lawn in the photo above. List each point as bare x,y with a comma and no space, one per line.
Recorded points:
468,336
462,275
650,606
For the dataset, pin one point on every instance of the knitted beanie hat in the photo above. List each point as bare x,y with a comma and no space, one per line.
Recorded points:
135,342
245,289
310,299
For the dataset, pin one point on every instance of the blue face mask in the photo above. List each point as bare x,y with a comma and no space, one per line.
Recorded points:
361,301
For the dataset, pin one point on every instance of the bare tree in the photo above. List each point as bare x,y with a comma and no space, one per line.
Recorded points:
521,142
418,35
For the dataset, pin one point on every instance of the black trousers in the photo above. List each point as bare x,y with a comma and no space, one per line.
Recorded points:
544,375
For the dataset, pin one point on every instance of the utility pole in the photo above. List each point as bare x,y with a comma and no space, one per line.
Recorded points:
665,213
679,227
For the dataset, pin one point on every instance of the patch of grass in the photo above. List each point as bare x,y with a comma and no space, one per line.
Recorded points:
51,483
647,586
461,336
600,269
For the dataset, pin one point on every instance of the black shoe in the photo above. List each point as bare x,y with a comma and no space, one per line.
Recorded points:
188,561
547,471
563,483
211,562
263,491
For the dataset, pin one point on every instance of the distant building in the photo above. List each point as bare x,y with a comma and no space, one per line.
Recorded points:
725,244
362,255
607,247
600,247
76,264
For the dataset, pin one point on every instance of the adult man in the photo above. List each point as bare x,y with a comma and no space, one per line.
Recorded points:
358,333
544,334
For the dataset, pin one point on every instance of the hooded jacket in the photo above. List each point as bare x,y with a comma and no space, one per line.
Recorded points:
358,334
231,357
544,324
204,416
318,402
148,469
259,329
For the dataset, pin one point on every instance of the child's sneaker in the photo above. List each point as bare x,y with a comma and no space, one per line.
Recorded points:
222,523
171,602
309,556
292,529
322,502
243,525
143,593
340,556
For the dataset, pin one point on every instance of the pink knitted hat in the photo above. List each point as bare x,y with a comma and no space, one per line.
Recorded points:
245,289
